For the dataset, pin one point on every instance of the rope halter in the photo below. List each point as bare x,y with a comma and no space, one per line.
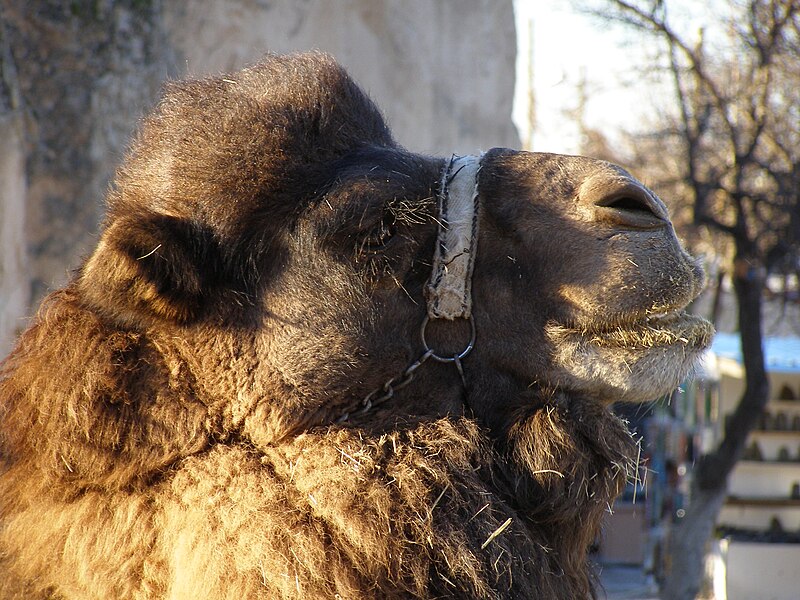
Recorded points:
449,289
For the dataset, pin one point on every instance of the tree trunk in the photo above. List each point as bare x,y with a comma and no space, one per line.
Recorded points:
709,487
687,548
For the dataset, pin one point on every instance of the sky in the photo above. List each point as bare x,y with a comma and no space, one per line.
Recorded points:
567,47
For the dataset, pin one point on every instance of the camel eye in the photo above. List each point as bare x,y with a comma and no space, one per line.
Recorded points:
381,236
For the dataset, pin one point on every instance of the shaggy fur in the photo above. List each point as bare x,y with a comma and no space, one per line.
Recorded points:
171,421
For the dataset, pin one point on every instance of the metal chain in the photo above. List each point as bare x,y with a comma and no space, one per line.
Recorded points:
389,388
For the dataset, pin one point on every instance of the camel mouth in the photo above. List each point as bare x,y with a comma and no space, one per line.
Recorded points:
669,328
638,361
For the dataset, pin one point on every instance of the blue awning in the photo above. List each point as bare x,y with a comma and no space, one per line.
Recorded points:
782,354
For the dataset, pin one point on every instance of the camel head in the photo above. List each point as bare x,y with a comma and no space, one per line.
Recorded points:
267,225
596,284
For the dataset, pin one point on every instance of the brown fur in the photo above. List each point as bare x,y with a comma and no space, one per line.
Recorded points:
169,421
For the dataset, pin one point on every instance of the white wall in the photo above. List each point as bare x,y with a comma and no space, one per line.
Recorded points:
753,571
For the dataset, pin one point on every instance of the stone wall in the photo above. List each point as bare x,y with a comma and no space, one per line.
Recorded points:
77,76
442,71
14,282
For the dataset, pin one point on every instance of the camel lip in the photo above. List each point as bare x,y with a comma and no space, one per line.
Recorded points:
674,327
664,317
670,328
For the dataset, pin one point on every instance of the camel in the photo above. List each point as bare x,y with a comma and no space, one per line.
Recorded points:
305,362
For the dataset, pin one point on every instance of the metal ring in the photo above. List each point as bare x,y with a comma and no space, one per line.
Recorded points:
455,357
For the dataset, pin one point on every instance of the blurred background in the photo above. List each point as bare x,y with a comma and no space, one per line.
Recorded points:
699,100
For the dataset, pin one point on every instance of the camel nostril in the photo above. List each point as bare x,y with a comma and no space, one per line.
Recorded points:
621,201
633,208
629,203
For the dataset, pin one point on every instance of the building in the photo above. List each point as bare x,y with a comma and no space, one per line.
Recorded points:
757,552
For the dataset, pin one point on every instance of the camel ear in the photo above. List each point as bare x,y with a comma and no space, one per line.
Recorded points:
152,265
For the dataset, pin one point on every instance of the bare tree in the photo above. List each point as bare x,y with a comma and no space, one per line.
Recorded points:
735,138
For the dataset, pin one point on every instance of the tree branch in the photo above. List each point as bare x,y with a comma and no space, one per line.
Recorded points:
650,22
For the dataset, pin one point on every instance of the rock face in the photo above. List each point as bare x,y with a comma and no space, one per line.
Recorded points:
77,76
442,71
13,258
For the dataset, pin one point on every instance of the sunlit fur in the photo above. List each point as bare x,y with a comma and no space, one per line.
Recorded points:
172,420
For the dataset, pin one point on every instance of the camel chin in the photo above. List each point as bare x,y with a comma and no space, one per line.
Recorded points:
635,362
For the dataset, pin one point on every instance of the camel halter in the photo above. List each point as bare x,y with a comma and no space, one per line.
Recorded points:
449,289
